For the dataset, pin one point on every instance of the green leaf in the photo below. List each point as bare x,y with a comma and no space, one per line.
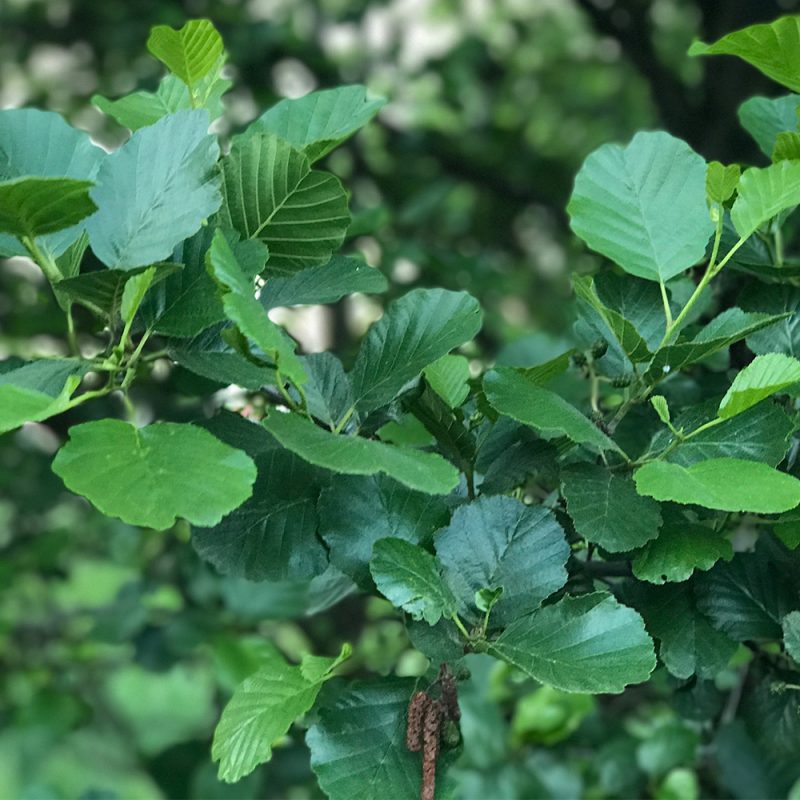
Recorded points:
169,166
644,206
731,326
350,526
747,597
626,334
762,377
329,394
784,335
661,407
212,357
189,302
133,293
101,291
150,476
415,331
409,577
34,391
191,52
242,308
448,376
353,455
320,121
726,484
272,194
40,144
341,276
765,117
263,709
721,181
358,747
140,109
791,634
688,644
500,542
678,551
772,48
32,207
763,194
511,393
606,509
759,434
272,536
587,644
787,146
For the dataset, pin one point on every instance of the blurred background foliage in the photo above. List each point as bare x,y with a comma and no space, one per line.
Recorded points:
118,646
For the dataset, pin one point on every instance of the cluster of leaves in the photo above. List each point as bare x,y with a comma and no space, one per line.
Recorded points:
503,522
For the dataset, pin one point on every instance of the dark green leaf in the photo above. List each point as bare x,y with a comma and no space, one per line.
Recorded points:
341,276
500,542
589,643
415,331
606,508
350,525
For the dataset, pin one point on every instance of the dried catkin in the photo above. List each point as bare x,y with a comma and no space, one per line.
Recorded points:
449,693
416,717
432,728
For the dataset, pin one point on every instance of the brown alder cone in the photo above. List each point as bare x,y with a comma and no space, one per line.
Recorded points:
434,714
449,693
416,717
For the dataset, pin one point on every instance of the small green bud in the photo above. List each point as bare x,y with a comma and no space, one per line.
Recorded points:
621,381
599,348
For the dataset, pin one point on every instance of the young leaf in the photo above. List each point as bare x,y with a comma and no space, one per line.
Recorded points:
329,395
350,527
415,331
150,476
168,168
34,391
678,551
448,376
132,295
511,393
354,455
661,407
242,308
765,117
787,146
263,709
500,542
763,376
644,206
721,181
772,48
341,276
272,194
409,577
33,207
358,747
320,121
606,509
764,193
726,484
589,643
192,53
272,536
